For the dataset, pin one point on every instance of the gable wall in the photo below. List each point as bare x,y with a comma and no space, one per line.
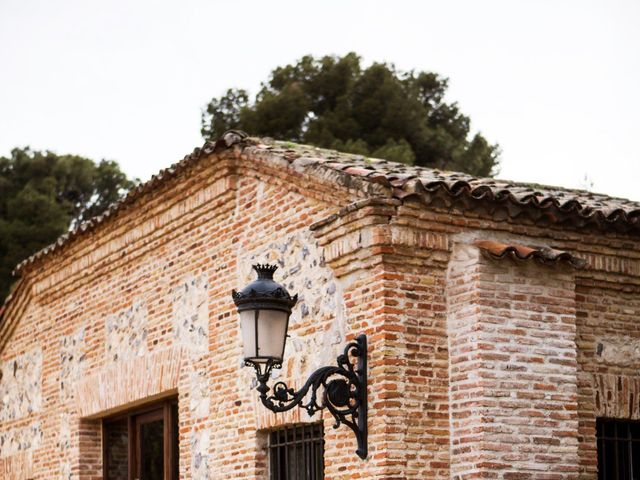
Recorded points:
136,304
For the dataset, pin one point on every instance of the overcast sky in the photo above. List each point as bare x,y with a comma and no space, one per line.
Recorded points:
555,83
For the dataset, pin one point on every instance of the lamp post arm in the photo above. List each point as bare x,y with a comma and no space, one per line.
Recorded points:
284,398
344,391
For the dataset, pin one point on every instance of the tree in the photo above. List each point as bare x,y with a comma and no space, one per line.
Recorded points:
332,102
42,194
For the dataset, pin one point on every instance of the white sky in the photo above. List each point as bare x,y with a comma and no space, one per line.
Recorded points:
556,83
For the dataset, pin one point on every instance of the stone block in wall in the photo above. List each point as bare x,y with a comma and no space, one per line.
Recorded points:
21,385
191,314
619,350
72,361
20,439
199,441
199,395
63,441
127,332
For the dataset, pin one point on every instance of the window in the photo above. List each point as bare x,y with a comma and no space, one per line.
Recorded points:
618,449
297,453
142,444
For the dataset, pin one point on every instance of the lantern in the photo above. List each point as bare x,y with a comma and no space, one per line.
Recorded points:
264,307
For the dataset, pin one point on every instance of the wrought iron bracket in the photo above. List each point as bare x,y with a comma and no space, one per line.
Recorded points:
344,391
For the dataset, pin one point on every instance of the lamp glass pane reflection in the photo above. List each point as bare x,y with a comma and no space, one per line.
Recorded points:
264,333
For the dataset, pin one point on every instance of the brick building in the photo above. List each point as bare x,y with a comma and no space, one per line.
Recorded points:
502,322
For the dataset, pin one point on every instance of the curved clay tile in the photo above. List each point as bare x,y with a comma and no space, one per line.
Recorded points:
520,252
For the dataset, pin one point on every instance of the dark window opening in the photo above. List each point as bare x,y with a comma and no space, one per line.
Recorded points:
116,439
142,444
297,453
618,449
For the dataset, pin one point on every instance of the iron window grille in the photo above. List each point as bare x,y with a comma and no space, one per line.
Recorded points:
618,449
297,453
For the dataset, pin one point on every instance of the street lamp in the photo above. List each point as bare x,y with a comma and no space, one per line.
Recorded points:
264,307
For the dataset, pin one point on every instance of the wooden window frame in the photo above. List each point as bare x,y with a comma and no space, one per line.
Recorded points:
161,410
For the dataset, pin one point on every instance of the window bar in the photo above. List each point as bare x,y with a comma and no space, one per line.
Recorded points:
319,460
294,451
633,471
307,470
625,451
286,453
316,458
281,458
310,459
616,454
602,467
274,453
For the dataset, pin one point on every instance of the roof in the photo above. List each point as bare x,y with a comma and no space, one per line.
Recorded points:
498,198
555,204
544,255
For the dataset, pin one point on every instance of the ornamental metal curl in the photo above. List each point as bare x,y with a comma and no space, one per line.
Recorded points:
344,391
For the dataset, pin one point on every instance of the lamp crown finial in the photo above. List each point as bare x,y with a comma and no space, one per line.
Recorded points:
265,270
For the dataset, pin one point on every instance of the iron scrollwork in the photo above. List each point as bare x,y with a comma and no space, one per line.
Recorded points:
344,391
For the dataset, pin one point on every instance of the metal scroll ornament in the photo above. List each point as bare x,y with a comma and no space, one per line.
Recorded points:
343,387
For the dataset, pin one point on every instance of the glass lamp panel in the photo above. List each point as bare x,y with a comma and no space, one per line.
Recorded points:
272,332
247,325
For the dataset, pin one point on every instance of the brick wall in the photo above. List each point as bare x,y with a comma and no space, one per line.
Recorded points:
395,294
476,367
513,387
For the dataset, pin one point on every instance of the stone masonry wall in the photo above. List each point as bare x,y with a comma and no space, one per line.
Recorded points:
20,385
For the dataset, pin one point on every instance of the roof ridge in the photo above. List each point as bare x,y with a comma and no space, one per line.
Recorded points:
372,161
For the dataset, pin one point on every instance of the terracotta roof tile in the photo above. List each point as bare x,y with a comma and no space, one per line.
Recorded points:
520,252
544,204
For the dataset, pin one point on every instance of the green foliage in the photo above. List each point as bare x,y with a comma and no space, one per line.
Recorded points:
42,194
332,102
